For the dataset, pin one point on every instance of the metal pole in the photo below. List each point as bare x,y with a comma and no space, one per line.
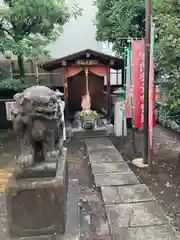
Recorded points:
146,79
131,98
37,74
10,68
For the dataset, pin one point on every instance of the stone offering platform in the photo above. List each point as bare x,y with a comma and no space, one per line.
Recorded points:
132,211
98,132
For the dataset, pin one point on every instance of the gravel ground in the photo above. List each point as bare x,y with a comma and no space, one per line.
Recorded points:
164,181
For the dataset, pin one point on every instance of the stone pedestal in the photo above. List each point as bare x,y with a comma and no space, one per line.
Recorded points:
37,206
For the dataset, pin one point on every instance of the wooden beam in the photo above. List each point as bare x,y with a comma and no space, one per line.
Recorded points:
66,95
108,95
51,78
117,77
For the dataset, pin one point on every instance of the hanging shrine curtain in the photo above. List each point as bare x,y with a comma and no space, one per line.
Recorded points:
98,70
72,71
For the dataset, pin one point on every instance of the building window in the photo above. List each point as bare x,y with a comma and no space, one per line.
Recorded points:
107,48
115,78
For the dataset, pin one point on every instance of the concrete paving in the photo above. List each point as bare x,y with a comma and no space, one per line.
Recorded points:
115,179
126,194
132,211
106,156
99,168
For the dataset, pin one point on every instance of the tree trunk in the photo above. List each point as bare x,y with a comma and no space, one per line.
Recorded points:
21,66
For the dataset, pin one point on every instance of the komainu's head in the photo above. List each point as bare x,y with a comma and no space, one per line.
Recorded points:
38,101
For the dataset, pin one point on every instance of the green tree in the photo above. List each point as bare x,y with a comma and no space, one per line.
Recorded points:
117,20
27,26
167,58
166,17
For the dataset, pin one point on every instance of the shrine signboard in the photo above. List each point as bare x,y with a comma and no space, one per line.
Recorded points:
9,107
87,62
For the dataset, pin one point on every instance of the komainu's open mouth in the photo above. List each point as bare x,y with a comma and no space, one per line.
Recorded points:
46,112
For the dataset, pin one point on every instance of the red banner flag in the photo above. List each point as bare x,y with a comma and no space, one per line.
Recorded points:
138,60
128,89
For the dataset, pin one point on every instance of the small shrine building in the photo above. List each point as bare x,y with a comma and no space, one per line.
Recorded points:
87,70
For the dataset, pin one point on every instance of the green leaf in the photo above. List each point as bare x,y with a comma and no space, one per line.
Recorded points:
27,27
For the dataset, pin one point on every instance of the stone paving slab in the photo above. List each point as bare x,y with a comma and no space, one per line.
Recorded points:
103,168
160,232
135,215
137,193
132,211
100,143
96,150
106,157
115,179
92,146
110,195
126,194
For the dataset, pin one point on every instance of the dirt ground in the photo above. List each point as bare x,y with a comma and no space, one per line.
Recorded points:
8,153
164,181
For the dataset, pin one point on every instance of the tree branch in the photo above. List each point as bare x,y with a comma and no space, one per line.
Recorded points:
6,30
33,23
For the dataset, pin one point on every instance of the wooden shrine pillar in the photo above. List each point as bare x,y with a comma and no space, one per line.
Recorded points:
108,94
51,78
66,94
117,77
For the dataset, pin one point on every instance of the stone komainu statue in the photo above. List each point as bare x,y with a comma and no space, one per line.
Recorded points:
37,120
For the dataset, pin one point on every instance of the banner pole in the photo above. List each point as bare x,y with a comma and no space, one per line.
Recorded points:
124,95
146,82
131,97
152,42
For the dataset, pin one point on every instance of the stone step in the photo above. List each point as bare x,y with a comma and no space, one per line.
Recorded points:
72,218
89,134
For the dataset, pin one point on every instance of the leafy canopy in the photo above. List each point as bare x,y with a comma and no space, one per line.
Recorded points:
119,19
27,25
168,51
116,20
